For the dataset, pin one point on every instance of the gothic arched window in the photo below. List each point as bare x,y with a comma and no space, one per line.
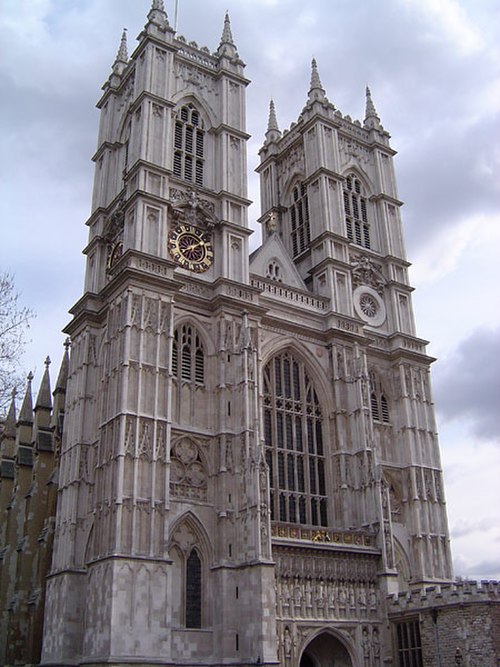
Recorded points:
293,436
356,217
189,139
193,590
378,401
188,357
299,219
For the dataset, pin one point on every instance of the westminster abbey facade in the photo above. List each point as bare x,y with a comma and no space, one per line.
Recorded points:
245,468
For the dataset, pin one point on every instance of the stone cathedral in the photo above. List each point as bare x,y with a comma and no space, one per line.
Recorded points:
245,462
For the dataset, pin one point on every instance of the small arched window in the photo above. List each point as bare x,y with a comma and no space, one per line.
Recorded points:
193,590
299,219
189,145
356,215
188,356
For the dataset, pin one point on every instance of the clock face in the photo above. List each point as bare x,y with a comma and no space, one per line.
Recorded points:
115,254
191,248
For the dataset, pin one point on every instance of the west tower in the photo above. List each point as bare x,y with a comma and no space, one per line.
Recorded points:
250,460
163,537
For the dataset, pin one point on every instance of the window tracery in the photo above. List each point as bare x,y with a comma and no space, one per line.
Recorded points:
356,215
189,145
294,443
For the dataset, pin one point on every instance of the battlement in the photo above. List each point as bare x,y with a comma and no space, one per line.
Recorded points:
441,595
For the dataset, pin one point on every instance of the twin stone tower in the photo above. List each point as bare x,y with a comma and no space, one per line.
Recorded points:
249,466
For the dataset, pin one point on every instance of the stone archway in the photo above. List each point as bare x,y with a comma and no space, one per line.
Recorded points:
325,650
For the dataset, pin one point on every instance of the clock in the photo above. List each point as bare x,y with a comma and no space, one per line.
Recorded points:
115,253
191,247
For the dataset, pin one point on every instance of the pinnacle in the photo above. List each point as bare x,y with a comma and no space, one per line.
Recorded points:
158,16
62,378
26,413
273,132
227,36
9,429
227,46
371,116
316,90
272,123
122,54
44,398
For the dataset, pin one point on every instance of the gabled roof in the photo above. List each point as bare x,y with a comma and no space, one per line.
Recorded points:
272,253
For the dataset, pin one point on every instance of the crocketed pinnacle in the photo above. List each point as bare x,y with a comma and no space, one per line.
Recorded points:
227,36
273,132
157,14
227,46
44,398
26,413
371,116
121,59
316,90
9,427
272,123
122,51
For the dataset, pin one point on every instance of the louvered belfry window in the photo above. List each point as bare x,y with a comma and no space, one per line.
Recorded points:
189,145
293,433
356,215
188,356
299,219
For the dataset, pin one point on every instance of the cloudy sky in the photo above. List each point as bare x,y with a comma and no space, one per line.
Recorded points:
433,69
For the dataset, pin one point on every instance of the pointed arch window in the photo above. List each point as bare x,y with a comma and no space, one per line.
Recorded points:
293,432
356,215
299,219
193,590
189,145
378,401
188,355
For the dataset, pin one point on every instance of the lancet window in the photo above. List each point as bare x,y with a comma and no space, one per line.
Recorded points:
299,219
189,145
188,355
356,215
193,590
293,432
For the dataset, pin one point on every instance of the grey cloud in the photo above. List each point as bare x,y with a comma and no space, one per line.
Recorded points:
468,384
466,528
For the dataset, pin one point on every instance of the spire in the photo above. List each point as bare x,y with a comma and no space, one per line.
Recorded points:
62,378
227,46
273,132
9,427
316,90
26,413
121,59
44,398
372,119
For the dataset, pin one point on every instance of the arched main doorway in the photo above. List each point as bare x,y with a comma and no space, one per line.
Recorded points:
325,650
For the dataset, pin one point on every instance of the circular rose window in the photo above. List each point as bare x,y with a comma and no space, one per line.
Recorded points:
369,306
